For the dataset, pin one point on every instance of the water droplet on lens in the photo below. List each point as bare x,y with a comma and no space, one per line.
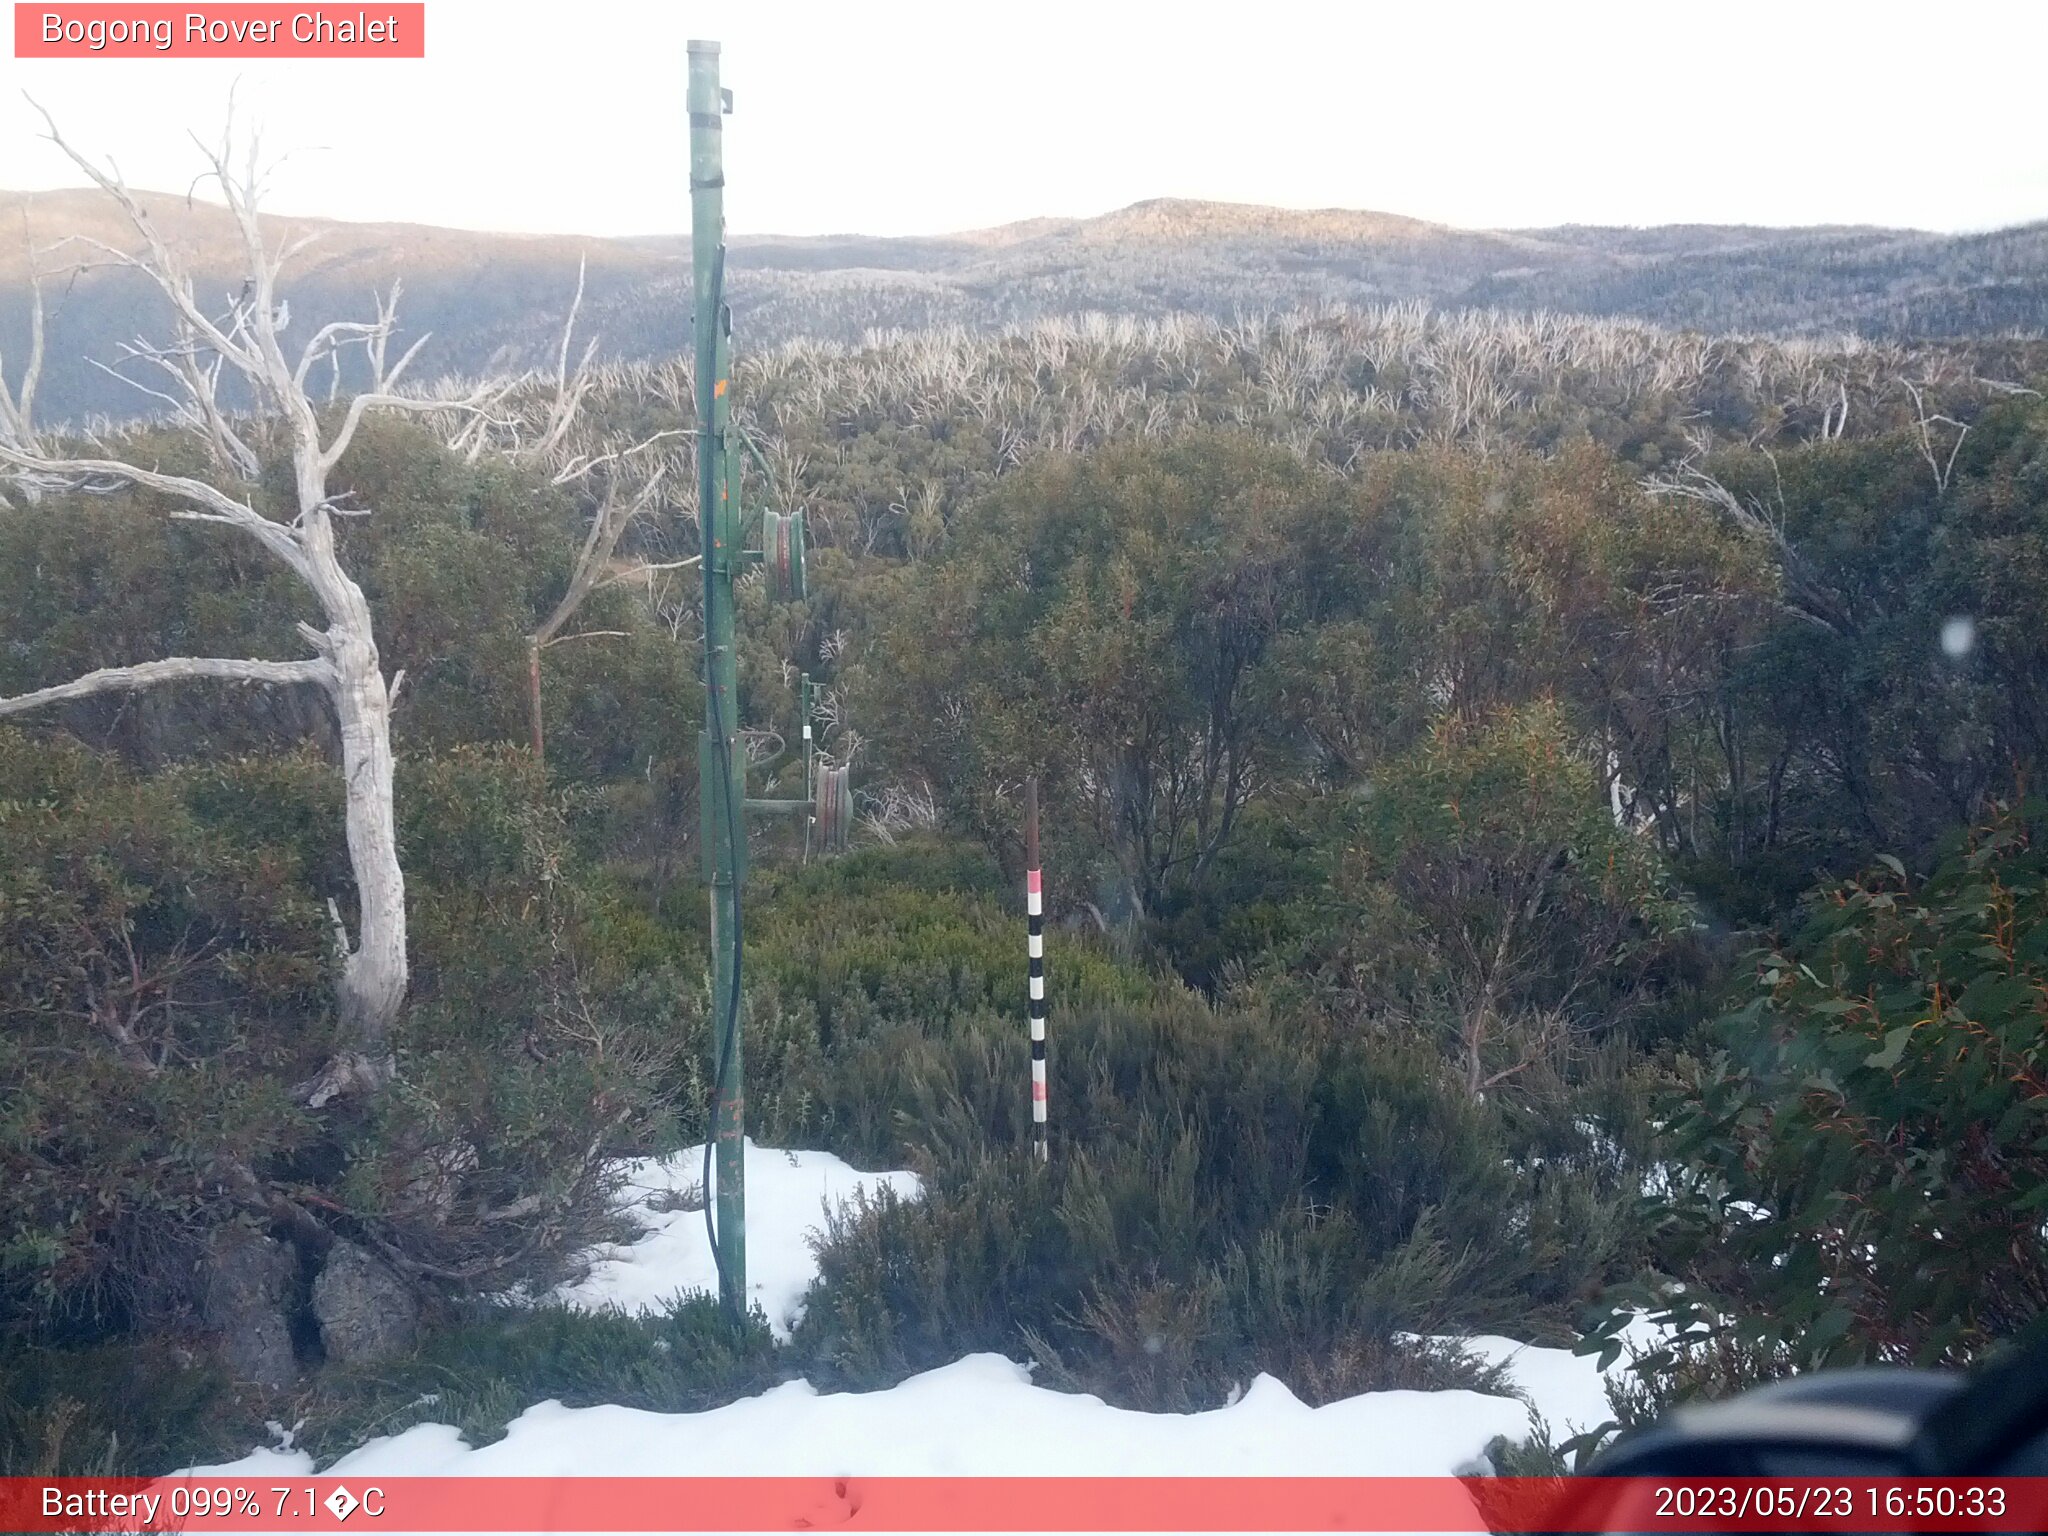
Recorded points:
1959,636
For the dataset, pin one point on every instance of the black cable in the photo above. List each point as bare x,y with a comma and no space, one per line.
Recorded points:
715,722
732,1010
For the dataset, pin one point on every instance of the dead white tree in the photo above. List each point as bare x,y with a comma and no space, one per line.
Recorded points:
1925,423
1805,595
595,569
569,388
18,404
632,478
240,343
1834,419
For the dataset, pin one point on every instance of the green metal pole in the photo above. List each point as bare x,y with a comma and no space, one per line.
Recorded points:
721,768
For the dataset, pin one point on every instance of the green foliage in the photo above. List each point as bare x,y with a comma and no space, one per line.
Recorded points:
1344,722
174,987
1858,1170
1102,621
496,1362
887,993
111,1410
1255,902
1836,723
1487,897
1231,1191
162,975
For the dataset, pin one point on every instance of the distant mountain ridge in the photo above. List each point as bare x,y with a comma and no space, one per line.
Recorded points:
496,301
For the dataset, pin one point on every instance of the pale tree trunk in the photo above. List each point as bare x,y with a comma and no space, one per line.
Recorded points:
371,988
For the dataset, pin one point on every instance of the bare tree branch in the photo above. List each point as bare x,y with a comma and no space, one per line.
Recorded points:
215,505
160,264
1925,423
1806,597
172,669
569,389
588,634
17,406
361,404
591,571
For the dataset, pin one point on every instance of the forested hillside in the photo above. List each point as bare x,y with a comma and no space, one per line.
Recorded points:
1536,817
494,302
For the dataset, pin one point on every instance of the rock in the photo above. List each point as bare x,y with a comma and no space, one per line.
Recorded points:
365,1311
248,1284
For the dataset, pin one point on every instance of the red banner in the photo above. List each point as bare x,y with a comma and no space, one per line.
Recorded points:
58,31
368,1503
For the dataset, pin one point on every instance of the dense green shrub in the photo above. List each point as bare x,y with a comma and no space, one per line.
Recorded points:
1105,621
1230,1191
172,987
1484,897
888,993
495,1362
122,1408
1860,1168
164,981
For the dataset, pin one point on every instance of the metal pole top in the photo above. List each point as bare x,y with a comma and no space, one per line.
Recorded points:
699,45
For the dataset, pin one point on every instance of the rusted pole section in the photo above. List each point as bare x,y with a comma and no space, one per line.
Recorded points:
1034,908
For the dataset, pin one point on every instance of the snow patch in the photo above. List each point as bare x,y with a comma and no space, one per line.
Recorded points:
1569,1391
981,1415
789,1194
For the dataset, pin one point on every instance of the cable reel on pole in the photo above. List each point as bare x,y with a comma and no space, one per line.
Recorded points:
830,789
833,808
782,555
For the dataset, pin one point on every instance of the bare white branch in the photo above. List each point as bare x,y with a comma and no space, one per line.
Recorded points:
172,669
17,405
479,401
1925,422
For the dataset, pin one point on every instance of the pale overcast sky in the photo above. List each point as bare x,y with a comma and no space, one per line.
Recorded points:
900,118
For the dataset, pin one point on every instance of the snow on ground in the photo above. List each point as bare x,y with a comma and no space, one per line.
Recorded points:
981,1415
788,1195
1568,1390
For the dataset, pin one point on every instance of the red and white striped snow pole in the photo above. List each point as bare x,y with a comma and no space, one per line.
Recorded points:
1034,908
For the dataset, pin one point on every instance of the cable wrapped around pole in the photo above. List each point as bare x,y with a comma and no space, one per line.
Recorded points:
1034,909
721,771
